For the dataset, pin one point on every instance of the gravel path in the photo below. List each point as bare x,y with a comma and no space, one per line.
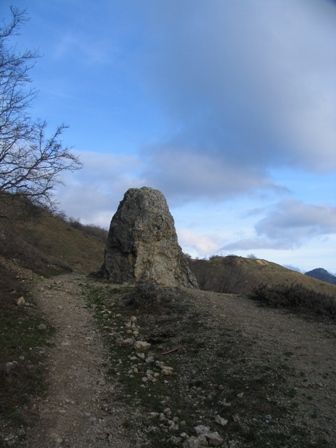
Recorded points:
78,411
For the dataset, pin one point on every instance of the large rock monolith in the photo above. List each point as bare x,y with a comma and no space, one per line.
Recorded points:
142,243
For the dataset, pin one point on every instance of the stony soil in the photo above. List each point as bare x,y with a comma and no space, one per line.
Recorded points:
256,377
79,409
267,375
305,345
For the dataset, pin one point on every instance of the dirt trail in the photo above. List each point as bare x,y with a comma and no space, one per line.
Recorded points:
78,411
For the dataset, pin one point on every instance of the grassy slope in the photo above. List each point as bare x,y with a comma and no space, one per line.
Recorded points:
48,244
233,274
60,240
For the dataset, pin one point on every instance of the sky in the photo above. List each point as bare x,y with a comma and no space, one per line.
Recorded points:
227,106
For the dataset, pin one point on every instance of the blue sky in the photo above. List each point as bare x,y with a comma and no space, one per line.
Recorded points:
228,107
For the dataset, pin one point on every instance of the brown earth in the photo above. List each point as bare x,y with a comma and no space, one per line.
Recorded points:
79,410
306,346
274,371
270,373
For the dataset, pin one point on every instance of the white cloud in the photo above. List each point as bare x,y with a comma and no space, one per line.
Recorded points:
198,244
249,86
289,224
93,193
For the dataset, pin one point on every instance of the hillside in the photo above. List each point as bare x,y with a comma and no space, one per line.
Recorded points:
323,275
34,242
45,242
233,274
89,363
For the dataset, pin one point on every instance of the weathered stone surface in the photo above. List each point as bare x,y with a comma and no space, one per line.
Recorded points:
142,243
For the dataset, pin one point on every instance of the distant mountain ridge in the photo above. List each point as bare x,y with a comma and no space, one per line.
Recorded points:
322,274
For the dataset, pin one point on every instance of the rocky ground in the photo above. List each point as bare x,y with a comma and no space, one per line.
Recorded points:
153,367
79,410
211,369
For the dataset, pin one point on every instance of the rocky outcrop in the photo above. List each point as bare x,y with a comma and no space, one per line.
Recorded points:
142,243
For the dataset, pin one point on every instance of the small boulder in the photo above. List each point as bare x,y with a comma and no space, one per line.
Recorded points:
214,439
221,421
202,429
142,346
21,301
166,370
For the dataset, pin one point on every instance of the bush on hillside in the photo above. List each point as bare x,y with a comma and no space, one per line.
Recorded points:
296,298
95,231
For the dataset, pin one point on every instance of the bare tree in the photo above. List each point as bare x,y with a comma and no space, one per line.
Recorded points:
30,160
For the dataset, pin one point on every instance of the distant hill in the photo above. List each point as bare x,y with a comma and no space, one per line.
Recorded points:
233,274
322,274
45,242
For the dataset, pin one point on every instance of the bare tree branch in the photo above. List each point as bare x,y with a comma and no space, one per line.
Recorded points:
30,160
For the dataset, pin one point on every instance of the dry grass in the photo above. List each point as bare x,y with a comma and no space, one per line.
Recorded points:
22,343
48,243
296,298
233,274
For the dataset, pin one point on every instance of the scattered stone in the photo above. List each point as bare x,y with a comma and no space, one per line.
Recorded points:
167,411
225,403
221,421
21,301
142,346
9,366
166,370
127,341
214,439
57,439
42,327
175,440
195,442
201,429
